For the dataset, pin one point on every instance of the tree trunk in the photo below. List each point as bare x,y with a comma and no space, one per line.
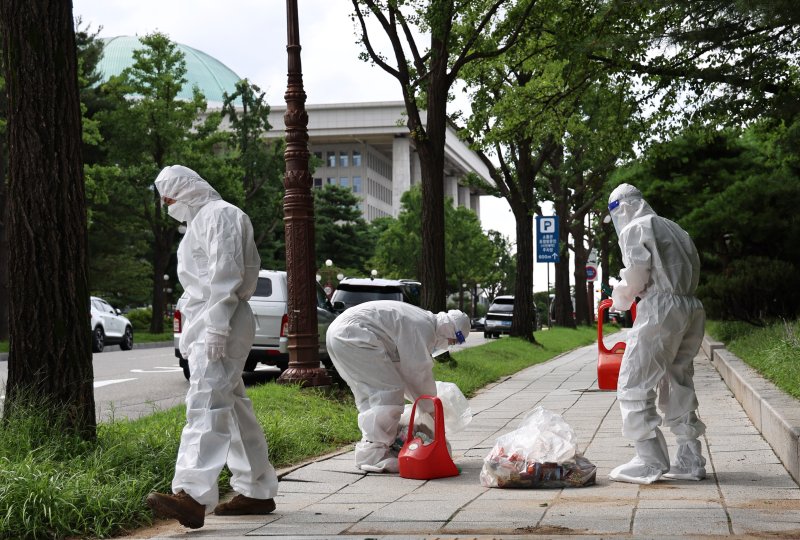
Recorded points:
3,238
563,299
524,320
430,147
50,356
581,258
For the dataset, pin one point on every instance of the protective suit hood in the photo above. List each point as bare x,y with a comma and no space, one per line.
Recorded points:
447,324
626,204
188,188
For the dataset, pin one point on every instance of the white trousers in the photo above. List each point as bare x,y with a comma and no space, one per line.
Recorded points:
221,427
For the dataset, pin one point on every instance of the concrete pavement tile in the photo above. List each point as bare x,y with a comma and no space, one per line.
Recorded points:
285,528
605,517
506,510
680,489
380,483
322,512
293,486
694,503
649,523
413,510
319,475
493,529
347,498
538,495
383,528
738,494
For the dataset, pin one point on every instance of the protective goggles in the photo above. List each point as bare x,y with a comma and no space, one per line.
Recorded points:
613,205
460,337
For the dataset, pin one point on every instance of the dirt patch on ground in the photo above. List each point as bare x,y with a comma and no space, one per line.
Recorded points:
767,504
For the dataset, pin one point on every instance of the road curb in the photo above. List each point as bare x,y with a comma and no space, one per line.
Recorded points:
773,412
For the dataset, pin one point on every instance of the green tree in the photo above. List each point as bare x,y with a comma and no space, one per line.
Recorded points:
735,194
262,166
46,227
341,233
459,32
549,126
469,252
148,128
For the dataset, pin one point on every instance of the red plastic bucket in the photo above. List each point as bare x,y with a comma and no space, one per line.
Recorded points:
608,360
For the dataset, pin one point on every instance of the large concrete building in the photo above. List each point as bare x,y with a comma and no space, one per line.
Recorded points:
365,147
361,146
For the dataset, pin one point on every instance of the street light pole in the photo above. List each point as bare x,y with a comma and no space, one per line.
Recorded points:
298,210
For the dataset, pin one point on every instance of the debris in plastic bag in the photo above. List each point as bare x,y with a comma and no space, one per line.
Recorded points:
541,453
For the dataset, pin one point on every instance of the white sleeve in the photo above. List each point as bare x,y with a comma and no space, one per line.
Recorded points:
636,274
226,270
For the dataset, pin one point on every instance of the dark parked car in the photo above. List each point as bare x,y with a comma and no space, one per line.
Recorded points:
353,291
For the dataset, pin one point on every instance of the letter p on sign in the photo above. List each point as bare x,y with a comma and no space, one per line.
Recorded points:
547,225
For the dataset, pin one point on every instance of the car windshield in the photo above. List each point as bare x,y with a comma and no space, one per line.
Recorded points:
502,307
358,295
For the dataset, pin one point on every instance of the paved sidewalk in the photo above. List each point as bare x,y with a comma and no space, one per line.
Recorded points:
748,493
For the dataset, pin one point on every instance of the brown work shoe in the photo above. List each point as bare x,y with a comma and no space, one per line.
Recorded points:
242,506
180,506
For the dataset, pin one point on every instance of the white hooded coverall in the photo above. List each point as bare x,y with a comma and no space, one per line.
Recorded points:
218,266
662,268
382,349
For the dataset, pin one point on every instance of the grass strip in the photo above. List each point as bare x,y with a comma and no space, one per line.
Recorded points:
772,350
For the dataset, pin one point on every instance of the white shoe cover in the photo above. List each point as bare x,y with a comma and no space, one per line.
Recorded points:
651,461
388,465
689,463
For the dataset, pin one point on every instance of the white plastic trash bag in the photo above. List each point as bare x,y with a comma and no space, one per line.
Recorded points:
541,452
457,414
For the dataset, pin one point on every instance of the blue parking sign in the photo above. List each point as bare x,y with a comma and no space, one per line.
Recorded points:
547,239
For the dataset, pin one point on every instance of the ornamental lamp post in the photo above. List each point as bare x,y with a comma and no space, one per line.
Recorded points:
298,208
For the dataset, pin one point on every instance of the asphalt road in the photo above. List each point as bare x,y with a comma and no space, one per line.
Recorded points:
131,384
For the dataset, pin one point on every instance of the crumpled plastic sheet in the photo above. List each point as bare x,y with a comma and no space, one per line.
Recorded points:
541,453
457,415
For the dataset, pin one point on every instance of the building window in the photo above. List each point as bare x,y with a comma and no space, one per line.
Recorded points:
344,181
331,181
331,159
317,182
356,158
356,183
344,159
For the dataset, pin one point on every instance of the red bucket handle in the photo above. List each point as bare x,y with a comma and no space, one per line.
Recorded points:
438,411
604,306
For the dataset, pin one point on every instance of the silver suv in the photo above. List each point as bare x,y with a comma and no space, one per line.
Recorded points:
109,327
269,305
499,316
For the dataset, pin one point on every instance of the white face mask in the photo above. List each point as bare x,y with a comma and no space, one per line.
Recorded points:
180,211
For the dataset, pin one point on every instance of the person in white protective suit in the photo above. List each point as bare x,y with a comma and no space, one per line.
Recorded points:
218,266
661,268
382,349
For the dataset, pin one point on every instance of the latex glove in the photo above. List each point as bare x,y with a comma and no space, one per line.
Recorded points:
215,346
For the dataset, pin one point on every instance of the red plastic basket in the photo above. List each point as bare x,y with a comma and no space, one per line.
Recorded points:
426,461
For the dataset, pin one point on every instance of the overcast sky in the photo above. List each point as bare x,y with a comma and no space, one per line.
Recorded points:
249,36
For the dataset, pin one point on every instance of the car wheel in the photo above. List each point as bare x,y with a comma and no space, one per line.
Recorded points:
186,372
98,339
127,339
487,335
